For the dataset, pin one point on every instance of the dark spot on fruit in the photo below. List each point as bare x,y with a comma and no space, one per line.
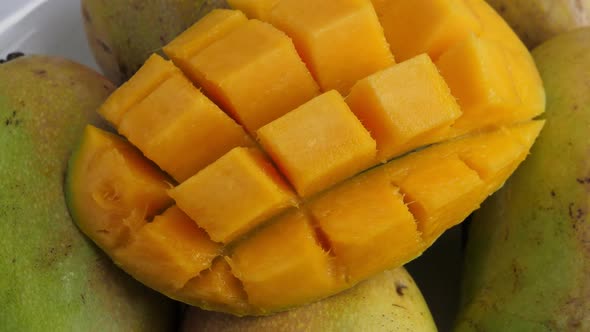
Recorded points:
137,5
104,46
83,298
553,194
40,72
502,9
400,288
106,87
122,68
575,107
12,120
585,180
13,260
162,39
86,15
574,324
570,209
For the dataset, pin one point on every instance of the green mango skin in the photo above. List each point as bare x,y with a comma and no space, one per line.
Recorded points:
536,21
390,301
122,34
52,278
527,265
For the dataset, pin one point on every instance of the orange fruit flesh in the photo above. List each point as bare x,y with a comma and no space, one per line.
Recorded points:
274,171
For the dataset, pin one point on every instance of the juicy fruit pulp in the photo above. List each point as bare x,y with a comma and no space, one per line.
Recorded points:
53,278
530,242
279,213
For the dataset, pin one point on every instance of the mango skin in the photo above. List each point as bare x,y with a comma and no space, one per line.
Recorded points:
538,20
528,253
53,278
122,34
390,301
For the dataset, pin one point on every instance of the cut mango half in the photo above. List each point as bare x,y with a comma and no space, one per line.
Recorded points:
290,149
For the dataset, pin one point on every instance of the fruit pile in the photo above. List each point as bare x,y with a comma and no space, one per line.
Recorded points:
284,159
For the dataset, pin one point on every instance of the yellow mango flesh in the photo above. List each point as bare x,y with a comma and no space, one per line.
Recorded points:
168,251
284,253
264,239
253,73
168,121
121,201
522,67
216,289
478,75
318,144
340,41
425,26
403,104
155,71
214,26
233,194
368,225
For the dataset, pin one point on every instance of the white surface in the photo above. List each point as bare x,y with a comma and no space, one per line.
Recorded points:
52,27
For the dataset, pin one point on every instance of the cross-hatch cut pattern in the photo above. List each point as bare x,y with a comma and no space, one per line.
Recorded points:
279,133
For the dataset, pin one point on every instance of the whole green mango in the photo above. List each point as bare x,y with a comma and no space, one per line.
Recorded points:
538,20
52,278
527,265
123,33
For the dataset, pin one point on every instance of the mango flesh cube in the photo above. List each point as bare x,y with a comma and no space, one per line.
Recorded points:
206,31
426,26
253,73
520,62
403,103
169,251
153,72
318,144
340,41
174,125
283,265
122,191
434,190
494,155
233,194
478,75
258,9
216,288
368,225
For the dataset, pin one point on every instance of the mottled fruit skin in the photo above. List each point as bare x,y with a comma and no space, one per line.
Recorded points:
124,33
390,301
52,278
538,20
528,255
